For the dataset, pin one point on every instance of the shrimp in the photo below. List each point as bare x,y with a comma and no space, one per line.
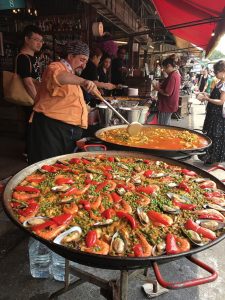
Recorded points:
146,247
100,247
125,206
143,200
51,232
70,208
208,184
94,217
23,196
96,203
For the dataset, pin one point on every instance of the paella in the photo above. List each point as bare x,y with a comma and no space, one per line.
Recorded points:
120,206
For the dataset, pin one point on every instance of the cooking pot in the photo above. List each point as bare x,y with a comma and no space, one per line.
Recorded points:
134,114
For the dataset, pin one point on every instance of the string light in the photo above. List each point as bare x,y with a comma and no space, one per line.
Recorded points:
213,33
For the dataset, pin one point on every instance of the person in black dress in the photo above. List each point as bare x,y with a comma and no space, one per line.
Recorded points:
104,74
214,124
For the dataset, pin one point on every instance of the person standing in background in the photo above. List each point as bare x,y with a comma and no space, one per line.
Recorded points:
27,67
119,68
203,81
214,124
168,91
104,74
60,112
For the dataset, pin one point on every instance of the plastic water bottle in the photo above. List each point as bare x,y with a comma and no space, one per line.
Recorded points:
57,268
40,259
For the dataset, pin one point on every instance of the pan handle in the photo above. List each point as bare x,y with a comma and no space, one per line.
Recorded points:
217,167
188,283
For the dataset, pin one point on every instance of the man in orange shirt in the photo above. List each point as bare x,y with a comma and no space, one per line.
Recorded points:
60,113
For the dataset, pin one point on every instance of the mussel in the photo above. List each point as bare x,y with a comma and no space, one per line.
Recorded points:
211,224
214,206
121,191
159,175
35,221
63,162
93,170
71,235
143,217
118,244
195,238
159,249
171,209
137,180
89,158
121,165
200,179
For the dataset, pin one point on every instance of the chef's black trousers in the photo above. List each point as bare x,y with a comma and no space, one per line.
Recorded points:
49,137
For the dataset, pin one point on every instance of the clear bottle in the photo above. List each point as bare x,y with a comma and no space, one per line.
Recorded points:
40,259
57,268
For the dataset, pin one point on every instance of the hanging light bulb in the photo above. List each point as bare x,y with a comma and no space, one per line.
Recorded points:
213,33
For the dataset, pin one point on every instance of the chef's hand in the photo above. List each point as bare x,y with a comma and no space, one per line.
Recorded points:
109,86
89,86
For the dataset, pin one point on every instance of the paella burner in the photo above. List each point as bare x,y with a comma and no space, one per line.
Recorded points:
118,289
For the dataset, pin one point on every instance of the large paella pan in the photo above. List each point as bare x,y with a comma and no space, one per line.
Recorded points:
157,139
118,210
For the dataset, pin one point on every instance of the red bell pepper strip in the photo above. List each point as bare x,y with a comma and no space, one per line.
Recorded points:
107,168
111,159
30,209
85,161
62,219
28,189
43,225
86,204
138,250
171,244
49,169
75,191
176,244
183,186
116,198
108,213
211,216
213,194
35,178
207,233
159,218
188,172
101,186
75,161
146,189
146,161
64,180
129,218
91,238
108,175
184,206
148,173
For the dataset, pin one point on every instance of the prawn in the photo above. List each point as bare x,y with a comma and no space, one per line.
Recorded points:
143,200
96,203
70,208
100,247
125,206
51,232
146,247
23,196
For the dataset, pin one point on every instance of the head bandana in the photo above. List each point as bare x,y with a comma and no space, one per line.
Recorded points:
77,48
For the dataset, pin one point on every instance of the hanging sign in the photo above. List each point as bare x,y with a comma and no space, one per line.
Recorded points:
12,4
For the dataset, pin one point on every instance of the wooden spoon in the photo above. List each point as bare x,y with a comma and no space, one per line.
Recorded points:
133,128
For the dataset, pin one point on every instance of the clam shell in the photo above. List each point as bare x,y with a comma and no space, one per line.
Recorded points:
210,224
60,188
159,249
200,180
121,191
172,184
143,217
159,175
35,221
59,238
105,223
118,244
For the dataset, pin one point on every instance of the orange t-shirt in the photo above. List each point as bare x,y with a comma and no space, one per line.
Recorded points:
61,102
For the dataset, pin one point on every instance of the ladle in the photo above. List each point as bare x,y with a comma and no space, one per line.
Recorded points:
133,128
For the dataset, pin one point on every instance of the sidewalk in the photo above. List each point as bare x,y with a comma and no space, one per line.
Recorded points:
17,284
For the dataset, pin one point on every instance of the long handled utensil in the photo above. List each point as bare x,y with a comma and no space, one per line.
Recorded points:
133,128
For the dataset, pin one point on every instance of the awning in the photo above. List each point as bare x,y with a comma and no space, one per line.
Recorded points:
193,20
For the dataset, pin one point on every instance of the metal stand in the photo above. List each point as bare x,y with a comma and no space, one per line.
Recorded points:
110,289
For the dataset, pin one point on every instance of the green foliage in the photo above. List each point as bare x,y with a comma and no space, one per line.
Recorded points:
216,54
